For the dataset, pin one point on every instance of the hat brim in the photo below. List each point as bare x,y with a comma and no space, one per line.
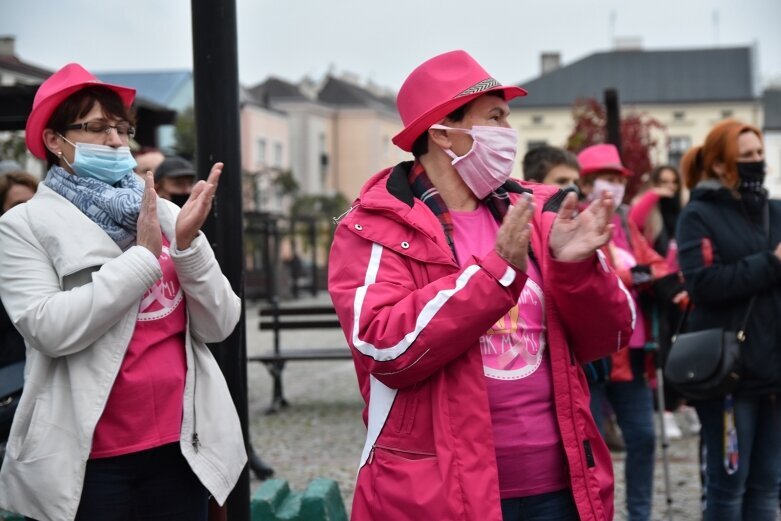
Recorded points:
40,115
609,168
406,138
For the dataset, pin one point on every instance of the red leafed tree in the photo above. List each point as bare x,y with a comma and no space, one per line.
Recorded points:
640,134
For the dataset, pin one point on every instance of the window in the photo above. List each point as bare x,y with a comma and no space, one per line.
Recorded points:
260,151
679,115
538,119
678,147
278,155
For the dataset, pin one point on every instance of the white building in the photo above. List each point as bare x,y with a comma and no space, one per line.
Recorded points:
688,91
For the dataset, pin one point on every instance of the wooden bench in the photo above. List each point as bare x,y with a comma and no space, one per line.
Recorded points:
277,319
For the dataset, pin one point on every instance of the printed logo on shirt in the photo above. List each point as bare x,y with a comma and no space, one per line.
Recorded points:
165,295
513,348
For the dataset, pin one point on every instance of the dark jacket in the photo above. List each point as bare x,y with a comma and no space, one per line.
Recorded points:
726,258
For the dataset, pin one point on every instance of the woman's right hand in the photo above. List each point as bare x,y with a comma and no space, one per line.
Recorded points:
148,232
512,239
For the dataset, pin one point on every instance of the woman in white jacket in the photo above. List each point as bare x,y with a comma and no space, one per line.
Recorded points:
125,414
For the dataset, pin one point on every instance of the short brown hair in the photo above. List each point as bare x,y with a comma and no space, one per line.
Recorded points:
721,146
15,177
79,104
539,161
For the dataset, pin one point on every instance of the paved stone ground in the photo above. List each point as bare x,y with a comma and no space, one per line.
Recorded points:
321,433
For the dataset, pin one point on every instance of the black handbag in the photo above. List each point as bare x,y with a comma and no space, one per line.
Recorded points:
11,382
705,365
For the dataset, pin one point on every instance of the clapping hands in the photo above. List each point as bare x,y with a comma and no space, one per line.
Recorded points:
577,235
197,208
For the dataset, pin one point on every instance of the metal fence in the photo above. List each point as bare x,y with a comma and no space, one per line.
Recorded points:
285,256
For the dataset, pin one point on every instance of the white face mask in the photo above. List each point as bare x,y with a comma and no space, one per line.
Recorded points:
489,162
600,186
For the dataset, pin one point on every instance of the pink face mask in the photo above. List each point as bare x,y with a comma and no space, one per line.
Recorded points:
489,162
617,189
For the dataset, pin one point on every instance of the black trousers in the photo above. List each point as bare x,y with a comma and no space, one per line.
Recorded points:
155,484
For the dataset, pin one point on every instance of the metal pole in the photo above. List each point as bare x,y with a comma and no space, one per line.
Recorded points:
216,89
313,241
664,442
613,114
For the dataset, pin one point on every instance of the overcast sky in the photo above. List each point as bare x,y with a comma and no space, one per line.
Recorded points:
384,40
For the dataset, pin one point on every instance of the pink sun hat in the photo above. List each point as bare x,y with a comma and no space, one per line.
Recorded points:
56,89
597,158
439,86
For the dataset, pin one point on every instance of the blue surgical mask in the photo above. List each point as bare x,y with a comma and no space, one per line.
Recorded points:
101,162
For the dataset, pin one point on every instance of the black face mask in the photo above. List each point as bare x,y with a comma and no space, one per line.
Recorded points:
179,199
751,189
752,176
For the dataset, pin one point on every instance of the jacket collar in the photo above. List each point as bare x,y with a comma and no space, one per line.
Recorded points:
396,184
388,193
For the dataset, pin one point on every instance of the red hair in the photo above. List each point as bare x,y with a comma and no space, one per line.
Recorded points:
721,146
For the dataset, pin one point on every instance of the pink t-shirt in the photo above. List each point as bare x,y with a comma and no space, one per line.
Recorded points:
625,259
144,409
529,450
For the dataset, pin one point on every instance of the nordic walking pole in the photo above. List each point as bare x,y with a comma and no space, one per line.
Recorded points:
661,408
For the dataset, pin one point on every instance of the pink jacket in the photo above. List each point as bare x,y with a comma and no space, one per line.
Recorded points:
413,319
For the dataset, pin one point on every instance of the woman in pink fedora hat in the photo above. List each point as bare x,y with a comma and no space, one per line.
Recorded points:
470,301
622,378
124,413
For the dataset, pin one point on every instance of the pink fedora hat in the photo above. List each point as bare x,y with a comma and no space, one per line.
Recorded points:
597,158
56,89
438,87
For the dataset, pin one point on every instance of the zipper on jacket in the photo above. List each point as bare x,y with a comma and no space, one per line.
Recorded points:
194,441
340,217
404,451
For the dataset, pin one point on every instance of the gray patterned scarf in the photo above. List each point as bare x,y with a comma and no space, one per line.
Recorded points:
114,208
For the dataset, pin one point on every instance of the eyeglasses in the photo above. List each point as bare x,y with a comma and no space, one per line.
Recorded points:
124,129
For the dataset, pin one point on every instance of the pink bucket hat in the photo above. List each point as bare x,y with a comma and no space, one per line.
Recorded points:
56,89
439,86
597,158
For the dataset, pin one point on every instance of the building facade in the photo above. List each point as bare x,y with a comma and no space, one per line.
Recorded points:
685,90
340,131
265,155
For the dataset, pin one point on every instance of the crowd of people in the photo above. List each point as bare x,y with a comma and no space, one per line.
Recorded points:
498,326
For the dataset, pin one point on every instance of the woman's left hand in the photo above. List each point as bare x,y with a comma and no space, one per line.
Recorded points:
576,236
197,208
